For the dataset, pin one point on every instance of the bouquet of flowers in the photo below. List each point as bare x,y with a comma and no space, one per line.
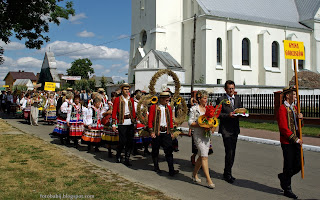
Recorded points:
210,119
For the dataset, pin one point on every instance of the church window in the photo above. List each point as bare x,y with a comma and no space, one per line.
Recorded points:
219,51
143,38
245,51
275,54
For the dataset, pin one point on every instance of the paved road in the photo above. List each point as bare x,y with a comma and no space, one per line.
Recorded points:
256,168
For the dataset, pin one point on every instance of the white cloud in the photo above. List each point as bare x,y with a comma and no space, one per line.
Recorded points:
115,66
12,46
123,36
123,69
106,71
85,33
97,67
76,18
77,50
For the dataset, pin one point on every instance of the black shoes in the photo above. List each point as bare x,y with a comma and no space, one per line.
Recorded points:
127,163
173,172
290,194
157,170
229,178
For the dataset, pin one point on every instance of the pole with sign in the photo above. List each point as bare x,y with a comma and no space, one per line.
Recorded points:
295,50
50,86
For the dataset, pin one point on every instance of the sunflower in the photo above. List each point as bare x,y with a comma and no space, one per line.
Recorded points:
228,102
154,100
215,122
178,101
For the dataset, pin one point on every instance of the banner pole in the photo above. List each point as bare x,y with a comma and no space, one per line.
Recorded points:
299,123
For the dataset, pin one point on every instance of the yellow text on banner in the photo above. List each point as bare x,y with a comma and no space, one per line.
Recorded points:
50,86
293,50
5,86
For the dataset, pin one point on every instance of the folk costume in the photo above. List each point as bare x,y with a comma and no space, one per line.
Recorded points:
50,108
109,137
34,113
75,120
288,126
93,126
123,114
160,122
61,128
26,107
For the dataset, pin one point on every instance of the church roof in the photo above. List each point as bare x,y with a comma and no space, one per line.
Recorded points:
167,59
276,12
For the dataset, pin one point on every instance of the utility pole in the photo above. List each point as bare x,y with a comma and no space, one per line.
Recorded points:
193,51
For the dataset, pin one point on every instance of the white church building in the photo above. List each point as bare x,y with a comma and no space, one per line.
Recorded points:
237,40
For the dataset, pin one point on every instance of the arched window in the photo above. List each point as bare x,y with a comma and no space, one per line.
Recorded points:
219,51
275,54
245,51
143,38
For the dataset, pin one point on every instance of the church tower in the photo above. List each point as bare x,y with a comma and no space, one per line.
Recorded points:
156,25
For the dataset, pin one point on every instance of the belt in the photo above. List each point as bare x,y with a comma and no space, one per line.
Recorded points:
127,116
163,129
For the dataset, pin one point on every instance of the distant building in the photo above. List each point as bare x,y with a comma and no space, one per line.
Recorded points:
12,77
49,70
109,81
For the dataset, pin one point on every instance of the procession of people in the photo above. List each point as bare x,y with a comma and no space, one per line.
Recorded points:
95,120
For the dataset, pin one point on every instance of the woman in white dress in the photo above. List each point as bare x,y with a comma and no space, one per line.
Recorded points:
201,141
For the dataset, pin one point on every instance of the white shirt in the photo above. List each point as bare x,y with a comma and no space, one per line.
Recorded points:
126,110
163,121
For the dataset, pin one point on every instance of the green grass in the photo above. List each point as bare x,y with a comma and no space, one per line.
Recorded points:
29,168
306,130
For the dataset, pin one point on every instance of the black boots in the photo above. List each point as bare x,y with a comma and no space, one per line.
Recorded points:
156,165
126,160
172,172
286,186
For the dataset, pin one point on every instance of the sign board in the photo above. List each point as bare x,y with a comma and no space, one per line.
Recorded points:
50,86
293,50
71,78
5,86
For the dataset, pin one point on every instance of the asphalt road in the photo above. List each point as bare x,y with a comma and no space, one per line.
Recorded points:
256,168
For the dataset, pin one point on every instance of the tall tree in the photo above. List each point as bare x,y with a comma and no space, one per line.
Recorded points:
81,67
29,20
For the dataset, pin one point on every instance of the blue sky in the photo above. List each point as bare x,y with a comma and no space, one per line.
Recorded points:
93,33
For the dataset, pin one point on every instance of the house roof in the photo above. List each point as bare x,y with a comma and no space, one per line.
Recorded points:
166,59
109,80
22,75
276,12
26,82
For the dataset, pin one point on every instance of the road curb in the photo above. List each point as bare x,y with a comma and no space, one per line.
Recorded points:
261,140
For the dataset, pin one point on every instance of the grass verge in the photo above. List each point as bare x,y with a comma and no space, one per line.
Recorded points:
309,131
31,168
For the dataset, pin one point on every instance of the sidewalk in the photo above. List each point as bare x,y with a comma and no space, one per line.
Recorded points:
269,135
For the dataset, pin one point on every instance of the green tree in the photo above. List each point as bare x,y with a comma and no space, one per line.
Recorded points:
29,20
82,84
92,84
81,67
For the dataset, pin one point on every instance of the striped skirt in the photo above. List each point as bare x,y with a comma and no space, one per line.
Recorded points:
92,135
50,114
109,136
61,127
76,129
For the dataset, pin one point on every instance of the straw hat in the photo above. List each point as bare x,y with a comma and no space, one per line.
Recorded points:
164,94
288,89
125,85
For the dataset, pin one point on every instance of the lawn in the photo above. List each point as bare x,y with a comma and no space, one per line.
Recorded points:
31,168
306,130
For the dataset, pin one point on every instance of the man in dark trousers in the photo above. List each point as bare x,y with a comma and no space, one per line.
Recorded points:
160,124
229,127
290,142
123,114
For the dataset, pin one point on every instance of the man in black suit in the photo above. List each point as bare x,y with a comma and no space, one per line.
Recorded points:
229,127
